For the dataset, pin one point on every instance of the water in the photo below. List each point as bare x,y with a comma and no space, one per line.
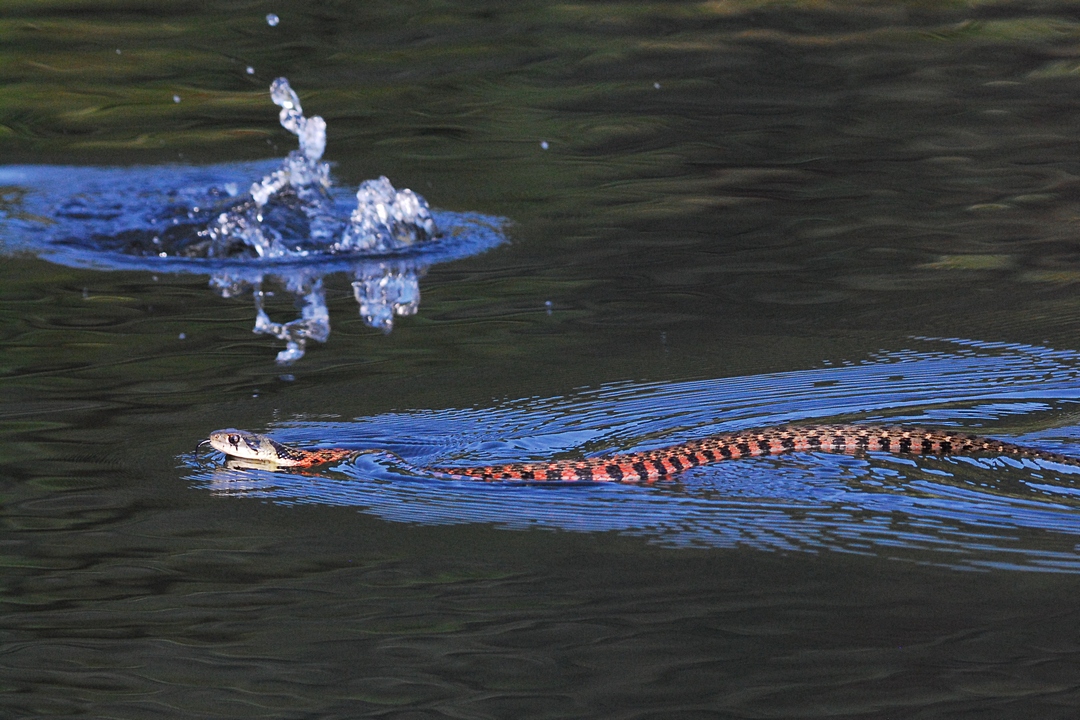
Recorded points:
291,228
742,216
958,512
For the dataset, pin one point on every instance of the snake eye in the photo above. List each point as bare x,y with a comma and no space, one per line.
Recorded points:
234,440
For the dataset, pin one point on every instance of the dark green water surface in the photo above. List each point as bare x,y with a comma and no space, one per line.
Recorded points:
746,213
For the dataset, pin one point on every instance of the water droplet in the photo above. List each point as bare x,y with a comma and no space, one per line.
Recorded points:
272,20
544,145
288,377
182,336
549,306
118,51
250,70
656,85
176,98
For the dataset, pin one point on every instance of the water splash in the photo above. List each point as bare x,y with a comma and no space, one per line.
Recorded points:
386,218
290,229
290,211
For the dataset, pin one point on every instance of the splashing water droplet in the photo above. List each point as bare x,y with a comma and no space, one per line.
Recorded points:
386,218
176,98
295,202
250,70
272,20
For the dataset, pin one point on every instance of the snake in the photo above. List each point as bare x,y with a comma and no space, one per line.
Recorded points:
651,465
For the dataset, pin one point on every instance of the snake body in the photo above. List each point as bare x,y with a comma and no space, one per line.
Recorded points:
651,465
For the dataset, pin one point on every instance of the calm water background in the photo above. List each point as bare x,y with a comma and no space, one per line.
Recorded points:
745,213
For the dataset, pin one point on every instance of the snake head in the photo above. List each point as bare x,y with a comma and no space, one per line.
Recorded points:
246,445
240,444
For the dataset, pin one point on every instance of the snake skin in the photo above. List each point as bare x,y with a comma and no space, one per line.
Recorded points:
652,465
657,464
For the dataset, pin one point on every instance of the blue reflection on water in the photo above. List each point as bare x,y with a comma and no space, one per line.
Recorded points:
106,219
963,512
154,219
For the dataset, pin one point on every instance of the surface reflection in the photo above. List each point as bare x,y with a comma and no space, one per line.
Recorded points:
966,512
383,290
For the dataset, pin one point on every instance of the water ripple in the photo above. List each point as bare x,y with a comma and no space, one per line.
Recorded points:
962,512
289,228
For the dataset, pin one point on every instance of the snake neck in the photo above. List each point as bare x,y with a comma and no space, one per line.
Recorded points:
296,457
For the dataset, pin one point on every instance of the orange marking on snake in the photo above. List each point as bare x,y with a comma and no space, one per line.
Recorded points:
651,465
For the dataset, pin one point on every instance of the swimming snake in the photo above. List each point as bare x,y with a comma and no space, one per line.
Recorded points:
651,465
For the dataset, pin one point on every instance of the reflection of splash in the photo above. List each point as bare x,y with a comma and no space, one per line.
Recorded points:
314,320
965,512
383,290
290,230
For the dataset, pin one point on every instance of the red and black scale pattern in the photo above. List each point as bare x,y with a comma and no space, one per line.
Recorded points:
298,457
657,464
